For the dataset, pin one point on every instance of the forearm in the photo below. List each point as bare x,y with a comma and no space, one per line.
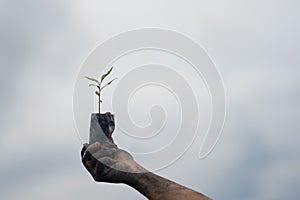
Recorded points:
123,169
155,187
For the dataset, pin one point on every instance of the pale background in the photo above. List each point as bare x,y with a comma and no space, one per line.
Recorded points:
255,45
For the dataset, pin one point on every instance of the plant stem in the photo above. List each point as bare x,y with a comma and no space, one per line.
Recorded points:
99,101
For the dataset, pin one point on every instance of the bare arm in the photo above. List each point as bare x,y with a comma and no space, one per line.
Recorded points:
107,163
155,187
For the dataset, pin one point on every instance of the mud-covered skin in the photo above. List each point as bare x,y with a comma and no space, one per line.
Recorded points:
155,187
107,163
120,167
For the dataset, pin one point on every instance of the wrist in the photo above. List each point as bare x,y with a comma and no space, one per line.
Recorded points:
148,184
136,175
139,181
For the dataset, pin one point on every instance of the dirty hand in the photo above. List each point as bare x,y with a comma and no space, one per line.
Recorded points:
106,163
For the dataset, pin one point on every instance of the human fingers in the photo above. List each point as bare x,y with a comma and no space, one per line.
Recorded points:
90,150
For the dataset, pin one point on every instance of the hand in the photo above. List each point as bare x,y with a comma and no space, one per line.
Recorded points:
106,163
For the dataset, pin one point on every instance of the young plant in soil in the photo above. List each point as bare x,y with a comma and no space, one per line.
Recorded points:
98,85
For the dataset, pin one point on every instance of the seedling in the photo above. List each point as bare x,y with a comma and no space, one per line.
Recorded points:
97,84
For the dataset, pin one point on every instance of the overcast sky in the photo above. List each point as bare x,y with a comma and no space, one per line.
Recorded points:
255,45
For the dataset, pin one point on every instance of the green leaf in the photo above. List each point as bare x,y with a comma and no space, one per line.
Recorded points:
92,79
95,86
97,93
107,84
106,74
